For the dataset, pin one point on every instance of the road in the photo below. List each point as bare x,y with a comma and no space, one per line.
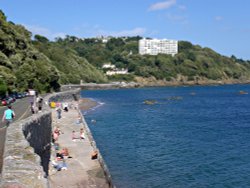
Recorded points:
22,110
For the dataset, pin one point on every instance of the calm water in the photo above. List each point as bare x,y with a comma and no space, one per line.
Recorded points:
200,139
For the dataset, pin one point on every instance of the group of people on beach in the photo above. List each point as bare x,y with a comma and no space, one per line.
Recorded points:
81,136
36,104
63,107
57,132
62,153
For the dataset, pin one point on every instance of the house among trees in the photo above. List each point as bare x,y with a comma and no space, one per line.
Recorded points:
112,70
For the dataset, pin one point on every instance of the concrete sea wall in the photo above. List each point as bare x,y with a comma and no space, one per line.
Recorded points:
94,86
75,94
27,147
100,158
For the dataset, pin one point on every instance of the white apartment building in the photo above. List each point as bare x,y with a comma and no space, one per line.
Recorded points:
156,46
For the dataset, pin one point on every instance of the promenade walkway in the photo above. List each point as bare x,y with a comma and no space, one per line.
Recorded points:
81,170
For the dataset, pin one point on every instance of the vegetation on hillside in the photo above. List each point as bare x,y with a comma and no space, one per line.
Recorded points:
71,66
22,66
44,65
191,61
25,64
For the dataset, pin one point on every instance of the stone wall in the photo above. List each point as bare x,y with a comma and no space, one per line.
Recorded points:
21,164
38,134
27,147
64,96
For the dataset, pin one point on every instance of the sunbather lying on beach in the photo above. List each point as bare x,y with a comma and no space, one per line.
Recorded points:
64,153
59,165
56,133
94,155
82,136
73,136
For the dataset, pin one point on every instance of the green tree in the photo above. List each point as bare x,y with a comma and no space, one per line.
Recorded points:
3,87
40,38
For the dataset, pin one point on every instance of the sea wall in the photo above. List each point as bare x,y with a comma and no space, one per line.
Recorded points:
27,147
67,95
94,86
100,158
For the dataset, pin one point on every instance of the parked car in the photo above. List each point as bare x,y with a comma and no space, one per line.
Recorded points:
4,102
12,97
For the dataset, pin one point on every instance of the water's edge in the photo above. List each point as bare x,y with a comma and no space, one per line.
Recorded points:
93,144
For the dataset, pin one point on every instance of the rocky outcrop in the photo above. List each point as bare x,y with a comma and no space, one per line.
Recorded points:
183,80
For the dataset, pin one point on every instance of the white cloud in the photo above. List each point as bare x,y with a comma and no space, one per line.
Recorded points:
55,35
35,29
218,18
133,32
177,18
182,7
172,17
86,31
162,5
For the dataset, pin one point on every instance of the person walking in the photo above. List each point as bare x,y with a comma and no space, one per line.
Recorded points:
59,111
40,104
8,116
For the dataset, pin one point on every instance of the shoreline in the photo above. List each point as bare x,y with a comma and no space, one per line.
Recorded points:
91,105
86,104
151,82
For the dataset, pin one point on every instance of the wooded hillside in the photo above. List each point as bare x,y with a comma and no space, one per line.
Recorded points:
43,65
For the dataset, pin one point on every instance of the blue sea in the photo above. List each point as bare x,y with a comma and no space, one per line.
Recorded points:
195,136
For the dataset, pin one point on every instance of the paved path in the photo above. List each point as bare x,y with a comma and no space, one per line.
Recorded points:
81,170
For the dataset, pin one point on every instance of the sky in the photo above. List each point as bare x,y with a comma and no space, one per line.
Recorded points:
223,25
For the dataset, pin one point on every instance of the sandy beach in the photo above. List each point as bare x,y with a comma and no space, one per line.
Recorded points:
85,104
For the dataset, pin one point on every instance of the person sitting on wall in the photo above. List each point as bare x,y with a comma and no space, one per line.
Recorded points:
65,107
82,137
56,133
65,152
40,104
94,155
73,136
59,156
